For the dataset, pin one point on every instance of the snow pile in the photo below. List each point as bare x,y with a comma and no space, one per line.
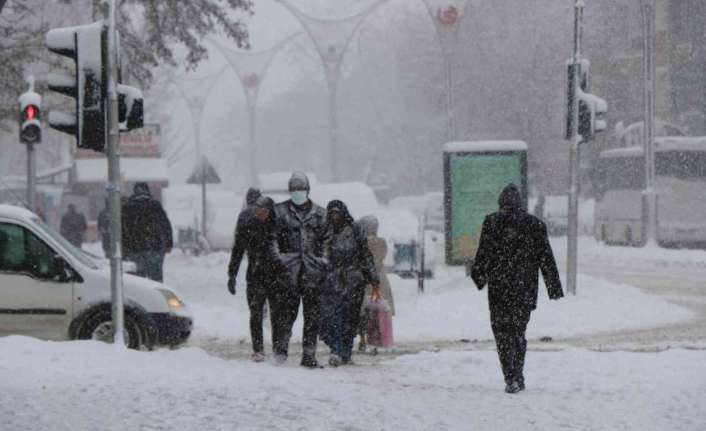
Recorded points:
183,206
88,385
452,308
645,258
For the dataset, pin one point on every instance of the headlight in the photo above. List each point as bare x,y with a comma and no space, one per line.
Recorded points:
173,301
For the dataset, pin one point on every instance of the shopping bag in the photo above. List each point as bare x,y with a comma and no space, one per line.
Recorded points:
379,323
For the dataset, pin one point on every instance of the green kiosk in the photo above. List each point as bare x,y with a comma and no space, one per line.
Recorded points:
474,175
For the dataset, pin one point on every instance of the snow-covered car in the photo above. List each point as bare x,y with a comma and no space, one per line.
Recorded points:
52,290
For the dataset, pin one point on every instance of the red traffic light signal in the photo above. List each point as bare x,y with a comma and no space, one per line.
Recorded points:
30,112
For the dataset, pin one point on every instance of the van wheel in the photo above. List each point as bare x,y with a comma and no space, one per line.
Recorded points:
99,326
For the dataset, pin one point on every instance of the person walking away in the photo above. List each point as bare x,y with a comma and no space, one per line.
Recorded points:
104,228
254,235
301,234
147,233
513,249
352,268
73,226
378,248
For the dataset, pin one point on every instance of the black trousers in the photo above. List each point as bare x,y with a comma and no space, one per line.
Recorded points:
311,305
259,292
509,326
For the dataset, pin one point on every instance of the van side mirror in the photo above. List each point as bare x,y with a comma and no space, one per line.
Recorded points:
62,270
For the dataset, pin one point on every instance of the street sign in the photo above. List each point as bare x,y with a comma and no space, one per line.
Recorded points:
204,173
474,175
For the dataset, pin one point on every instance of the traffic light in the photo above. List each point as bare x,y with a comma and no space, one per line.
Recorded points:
592,108
30,115
130,108
87,46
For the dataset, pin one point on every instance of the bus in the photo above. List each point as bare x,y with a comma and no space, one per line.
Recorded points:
621,209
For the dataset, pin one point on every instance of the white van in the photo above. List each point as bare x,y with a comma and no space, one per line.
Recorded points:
52,290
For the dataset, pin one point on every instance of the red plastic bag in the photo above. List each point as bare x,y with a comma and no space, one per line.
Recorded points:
379,323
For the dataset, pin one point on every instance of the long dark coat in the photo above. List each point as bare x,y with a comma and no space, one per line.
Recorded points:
301,234
146,226
514,248
73,227
352,268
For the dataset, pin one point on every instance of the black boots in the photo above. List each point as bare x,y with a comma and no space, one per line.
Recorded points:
310,361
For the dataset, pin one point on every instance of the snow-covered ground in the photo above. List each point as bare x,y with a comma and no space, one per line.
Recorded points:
637,257
451,309
93,386
87,385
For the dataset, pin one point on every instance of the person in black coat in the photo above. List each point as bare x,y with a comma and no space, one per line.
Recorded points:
254,235
73,226
301,235
514,248
352,268
147,232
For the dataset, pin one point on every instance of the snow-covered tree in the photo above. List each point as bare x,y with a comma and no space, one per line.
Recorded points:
150,30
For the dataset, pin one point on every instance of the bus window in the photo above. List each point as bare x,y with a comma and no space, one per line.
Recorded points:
624,173
683,165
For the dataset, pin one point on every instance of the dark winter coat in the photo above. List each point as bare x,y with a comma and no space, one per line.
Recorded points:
301,235
257,238
351,269
73,227
146,226
514,248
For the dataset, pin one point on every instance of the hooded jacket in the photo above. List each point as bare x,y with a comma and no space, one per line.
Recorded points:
257,238
514,247
146,226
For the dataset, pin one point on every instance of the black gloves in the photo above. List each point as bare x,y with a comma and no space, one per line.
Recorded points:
231,285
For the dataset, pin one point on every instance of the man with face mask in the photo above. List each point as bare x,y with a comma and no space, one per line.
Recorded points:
301,234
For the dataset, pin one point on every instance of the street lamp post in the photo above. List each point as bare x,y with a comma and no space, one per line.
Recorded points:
251,68
196,92
331,38
647,8
447,20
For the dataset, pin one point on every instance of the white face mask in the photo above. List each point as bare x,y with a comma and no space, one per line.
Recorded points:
299,197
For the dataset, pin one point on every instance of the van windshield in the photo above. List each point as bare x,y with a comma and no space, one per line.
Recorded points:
75,252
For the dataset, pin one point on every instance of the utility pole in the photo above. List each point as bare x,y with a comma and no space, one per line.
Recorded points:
30,134
421,269
650,193
31,178
575,140
116,281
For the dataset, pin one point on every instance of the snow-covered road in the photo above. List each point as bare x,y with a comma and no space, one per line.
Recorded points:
431,380
92,386
453,310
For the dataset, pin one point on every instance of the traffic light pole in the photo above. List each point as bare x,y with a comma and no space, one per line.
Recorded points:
575,140
31,177
116,282
650,193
